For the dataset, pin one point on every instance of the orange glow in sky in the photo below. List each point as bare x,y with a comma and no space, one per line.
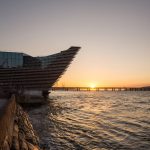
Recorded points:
114,36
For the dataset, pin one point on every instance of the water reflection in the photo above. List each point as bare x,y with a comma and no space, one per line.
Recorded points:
96,120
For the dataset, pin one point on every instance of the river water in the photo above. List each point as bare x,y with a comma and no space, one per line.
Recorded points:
103,120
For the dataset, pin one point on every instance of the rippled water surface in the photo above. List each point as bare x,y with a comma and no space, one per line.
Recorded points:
94,120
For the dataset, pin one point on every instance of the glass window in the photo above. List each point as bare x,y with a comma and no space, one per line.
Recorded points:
1,59
9,63
13,62
13,55
5,55
8,55
11,59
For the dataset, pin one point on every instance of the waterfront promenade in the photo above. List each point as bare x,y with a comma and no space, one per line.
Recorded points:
100,89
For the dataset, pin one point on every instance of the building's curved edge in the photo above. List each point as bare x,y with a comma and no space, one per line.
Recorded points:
27,79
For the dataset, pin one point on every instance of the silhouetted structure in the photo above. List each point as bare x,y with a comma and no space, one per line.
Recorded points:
21,72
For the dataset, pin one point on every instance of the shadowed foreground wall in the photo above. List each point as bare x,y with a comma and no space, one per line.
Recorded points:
7,116
16,131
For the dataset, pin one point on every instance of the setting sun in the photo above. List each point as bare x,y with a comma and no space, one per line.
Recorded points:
92,86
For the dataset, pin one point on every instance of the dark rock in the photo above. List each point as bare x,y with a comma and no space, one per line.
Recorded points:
32,147
23,145
15,144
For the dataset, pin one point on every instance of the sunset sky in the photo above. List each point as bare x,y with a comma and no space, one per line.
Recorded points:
114,36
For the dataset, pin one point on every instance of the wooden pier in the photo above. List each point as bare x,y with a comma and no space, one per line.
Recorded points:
100,89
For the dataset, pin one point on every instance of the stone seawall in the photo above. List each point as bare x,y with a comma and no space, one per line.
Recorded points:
7,116
16,131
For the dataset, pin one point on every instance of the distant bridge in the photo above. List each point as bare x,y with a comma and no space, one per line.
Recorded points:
100,89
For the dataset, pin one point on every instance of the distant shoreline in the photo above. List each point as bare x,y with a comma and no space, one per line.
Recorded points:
101,88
